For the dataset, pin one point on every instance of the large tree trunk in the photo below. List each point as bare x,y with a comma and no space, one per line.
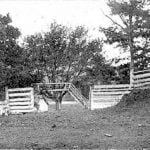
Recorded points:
58,105
131,50
131,71
60,96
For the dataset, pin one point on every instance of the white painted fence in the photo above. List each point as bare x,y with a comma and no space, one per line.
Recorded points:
102,96
141,79
20,100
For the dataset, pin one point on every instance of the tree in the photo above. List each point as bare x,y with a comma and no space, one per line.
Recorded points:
123,74
132,31
101,71
8,36
63,54
14,71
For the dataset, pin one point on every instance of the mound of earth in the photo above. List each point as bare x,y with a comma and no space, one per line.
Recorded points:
135,100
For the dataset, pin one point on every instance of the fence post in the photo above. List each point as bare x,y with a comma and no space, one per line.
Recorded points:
32,98
6,94
90,98
131,78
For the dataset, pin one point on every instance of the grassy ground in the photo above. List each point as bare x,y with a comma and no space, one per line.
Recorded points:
77,128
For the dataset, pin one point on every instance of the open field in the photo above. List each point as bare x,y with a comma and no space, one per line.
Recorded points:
77,128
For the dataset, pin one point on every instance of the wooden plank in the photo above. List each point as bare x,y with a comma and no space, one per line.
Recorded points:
111,89
19,99
111,86
110,93
21,107
103,90
141,81
20,89
105,103
19,94
108,101
145,87
141,72
20,103
146,75
107,98
142,84
21,111
65,89
107,95
66,83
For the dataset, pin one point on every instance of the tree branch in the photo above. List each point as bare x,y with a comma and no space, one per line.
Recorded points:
113,21
125,23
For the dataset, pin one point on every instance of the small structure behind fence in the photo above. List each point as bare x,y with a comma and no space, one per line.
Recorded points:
20,100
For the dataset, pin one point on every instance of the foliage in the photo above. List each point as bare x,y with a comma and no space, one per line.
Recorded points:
62,54
14,71
66,55
132,31
123,72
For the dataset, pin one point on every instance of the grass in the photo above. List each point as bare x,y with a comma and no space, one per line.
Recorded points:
119,127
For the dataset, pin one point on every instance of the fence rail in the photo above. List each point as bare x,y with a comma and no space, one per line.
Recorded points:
102,96
141,79
20,100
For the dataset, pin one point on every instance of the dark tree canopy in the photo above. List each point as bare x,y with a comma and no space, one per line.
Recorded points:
64,54
14,71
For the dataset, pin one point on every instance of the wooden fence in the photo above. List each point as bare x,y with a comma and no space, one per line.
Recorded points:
102,96
20,100
141,79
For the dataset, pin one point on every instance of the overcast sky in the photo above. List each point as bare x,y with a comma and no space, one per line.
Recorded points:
32,16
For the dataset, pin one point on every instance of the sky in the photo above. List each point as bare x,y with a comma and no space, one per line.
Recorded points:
32,16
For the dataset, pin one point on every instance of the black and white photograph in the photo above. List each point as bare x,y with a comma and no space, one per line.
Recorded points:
74,74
